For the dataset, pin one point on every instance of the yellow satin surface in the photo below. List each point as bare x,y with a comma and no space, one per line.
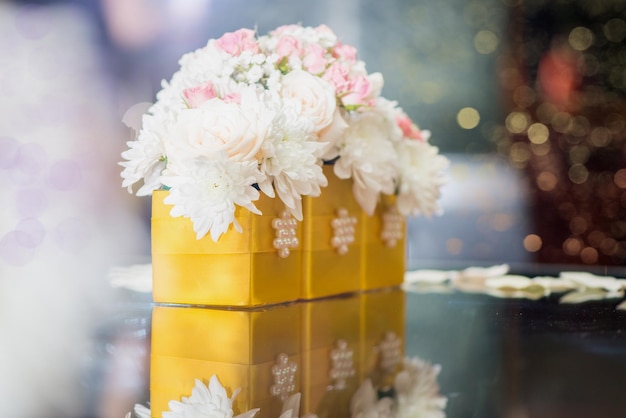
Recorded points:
325,272
228,336
241,269
382,312
244,269
325,322
382,266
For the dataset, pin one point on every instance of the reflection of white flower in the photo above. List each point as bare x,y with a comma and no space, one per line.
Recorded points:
209,401
291,408
417,391
365,403
421,177
207,191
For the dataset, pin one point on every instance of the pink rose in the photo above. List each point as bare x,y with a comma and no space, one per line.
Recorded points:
285,29
323,29
314,59
409,130
358,92
288,46
345,52
337,75
195,96
234,43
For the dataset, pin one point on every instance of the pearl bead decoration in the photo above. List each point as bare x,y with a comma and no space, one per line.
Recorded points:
285,231
342,365
393,227
390,352
284,373
343,231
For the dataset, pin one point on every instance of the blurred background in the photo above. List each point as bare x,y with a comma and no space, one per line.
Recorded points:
526,98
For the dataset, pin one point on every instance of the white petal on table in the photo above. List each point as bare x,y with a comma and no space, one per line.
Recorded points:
427,276
585,279
589,295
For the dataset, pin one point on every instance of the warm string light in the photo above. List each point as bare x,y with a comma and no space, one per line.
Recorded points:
565,129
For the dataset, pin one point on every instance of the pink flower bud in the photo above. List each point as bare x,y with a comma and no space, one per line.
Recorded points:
234,43
337,75
288,46
197,95
409,130
359,89
345,52
314,59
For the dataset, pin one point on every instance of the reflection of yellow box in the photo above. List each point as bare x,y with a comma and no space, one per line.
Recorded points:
334,343
384,250
240,347
326,271
330,355
241,269
382,334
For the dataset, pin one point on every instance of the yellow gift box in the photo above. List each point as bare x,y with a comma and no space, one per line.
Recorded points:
331,351
241,269
383,342
384,241
331,243
243,348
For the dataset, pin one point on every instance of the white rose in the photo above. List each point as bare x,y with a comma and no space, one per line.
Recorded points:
316,96
214,127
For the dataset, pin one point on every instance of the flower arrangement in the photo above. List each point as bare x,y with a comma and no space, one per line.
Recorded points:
250,114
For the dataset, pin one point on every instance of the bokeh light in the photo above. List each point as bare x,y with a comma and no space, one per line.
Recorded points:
468,118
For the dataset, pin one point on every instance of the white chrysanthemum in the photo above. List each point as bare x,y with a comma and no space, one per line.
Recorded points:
210,401
291,158
421,177
389,108
144,158
368,157
417,391
207,191
365,403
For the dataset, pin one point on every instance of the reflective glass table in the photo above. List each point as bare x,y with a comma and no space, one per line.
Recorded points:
493,350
